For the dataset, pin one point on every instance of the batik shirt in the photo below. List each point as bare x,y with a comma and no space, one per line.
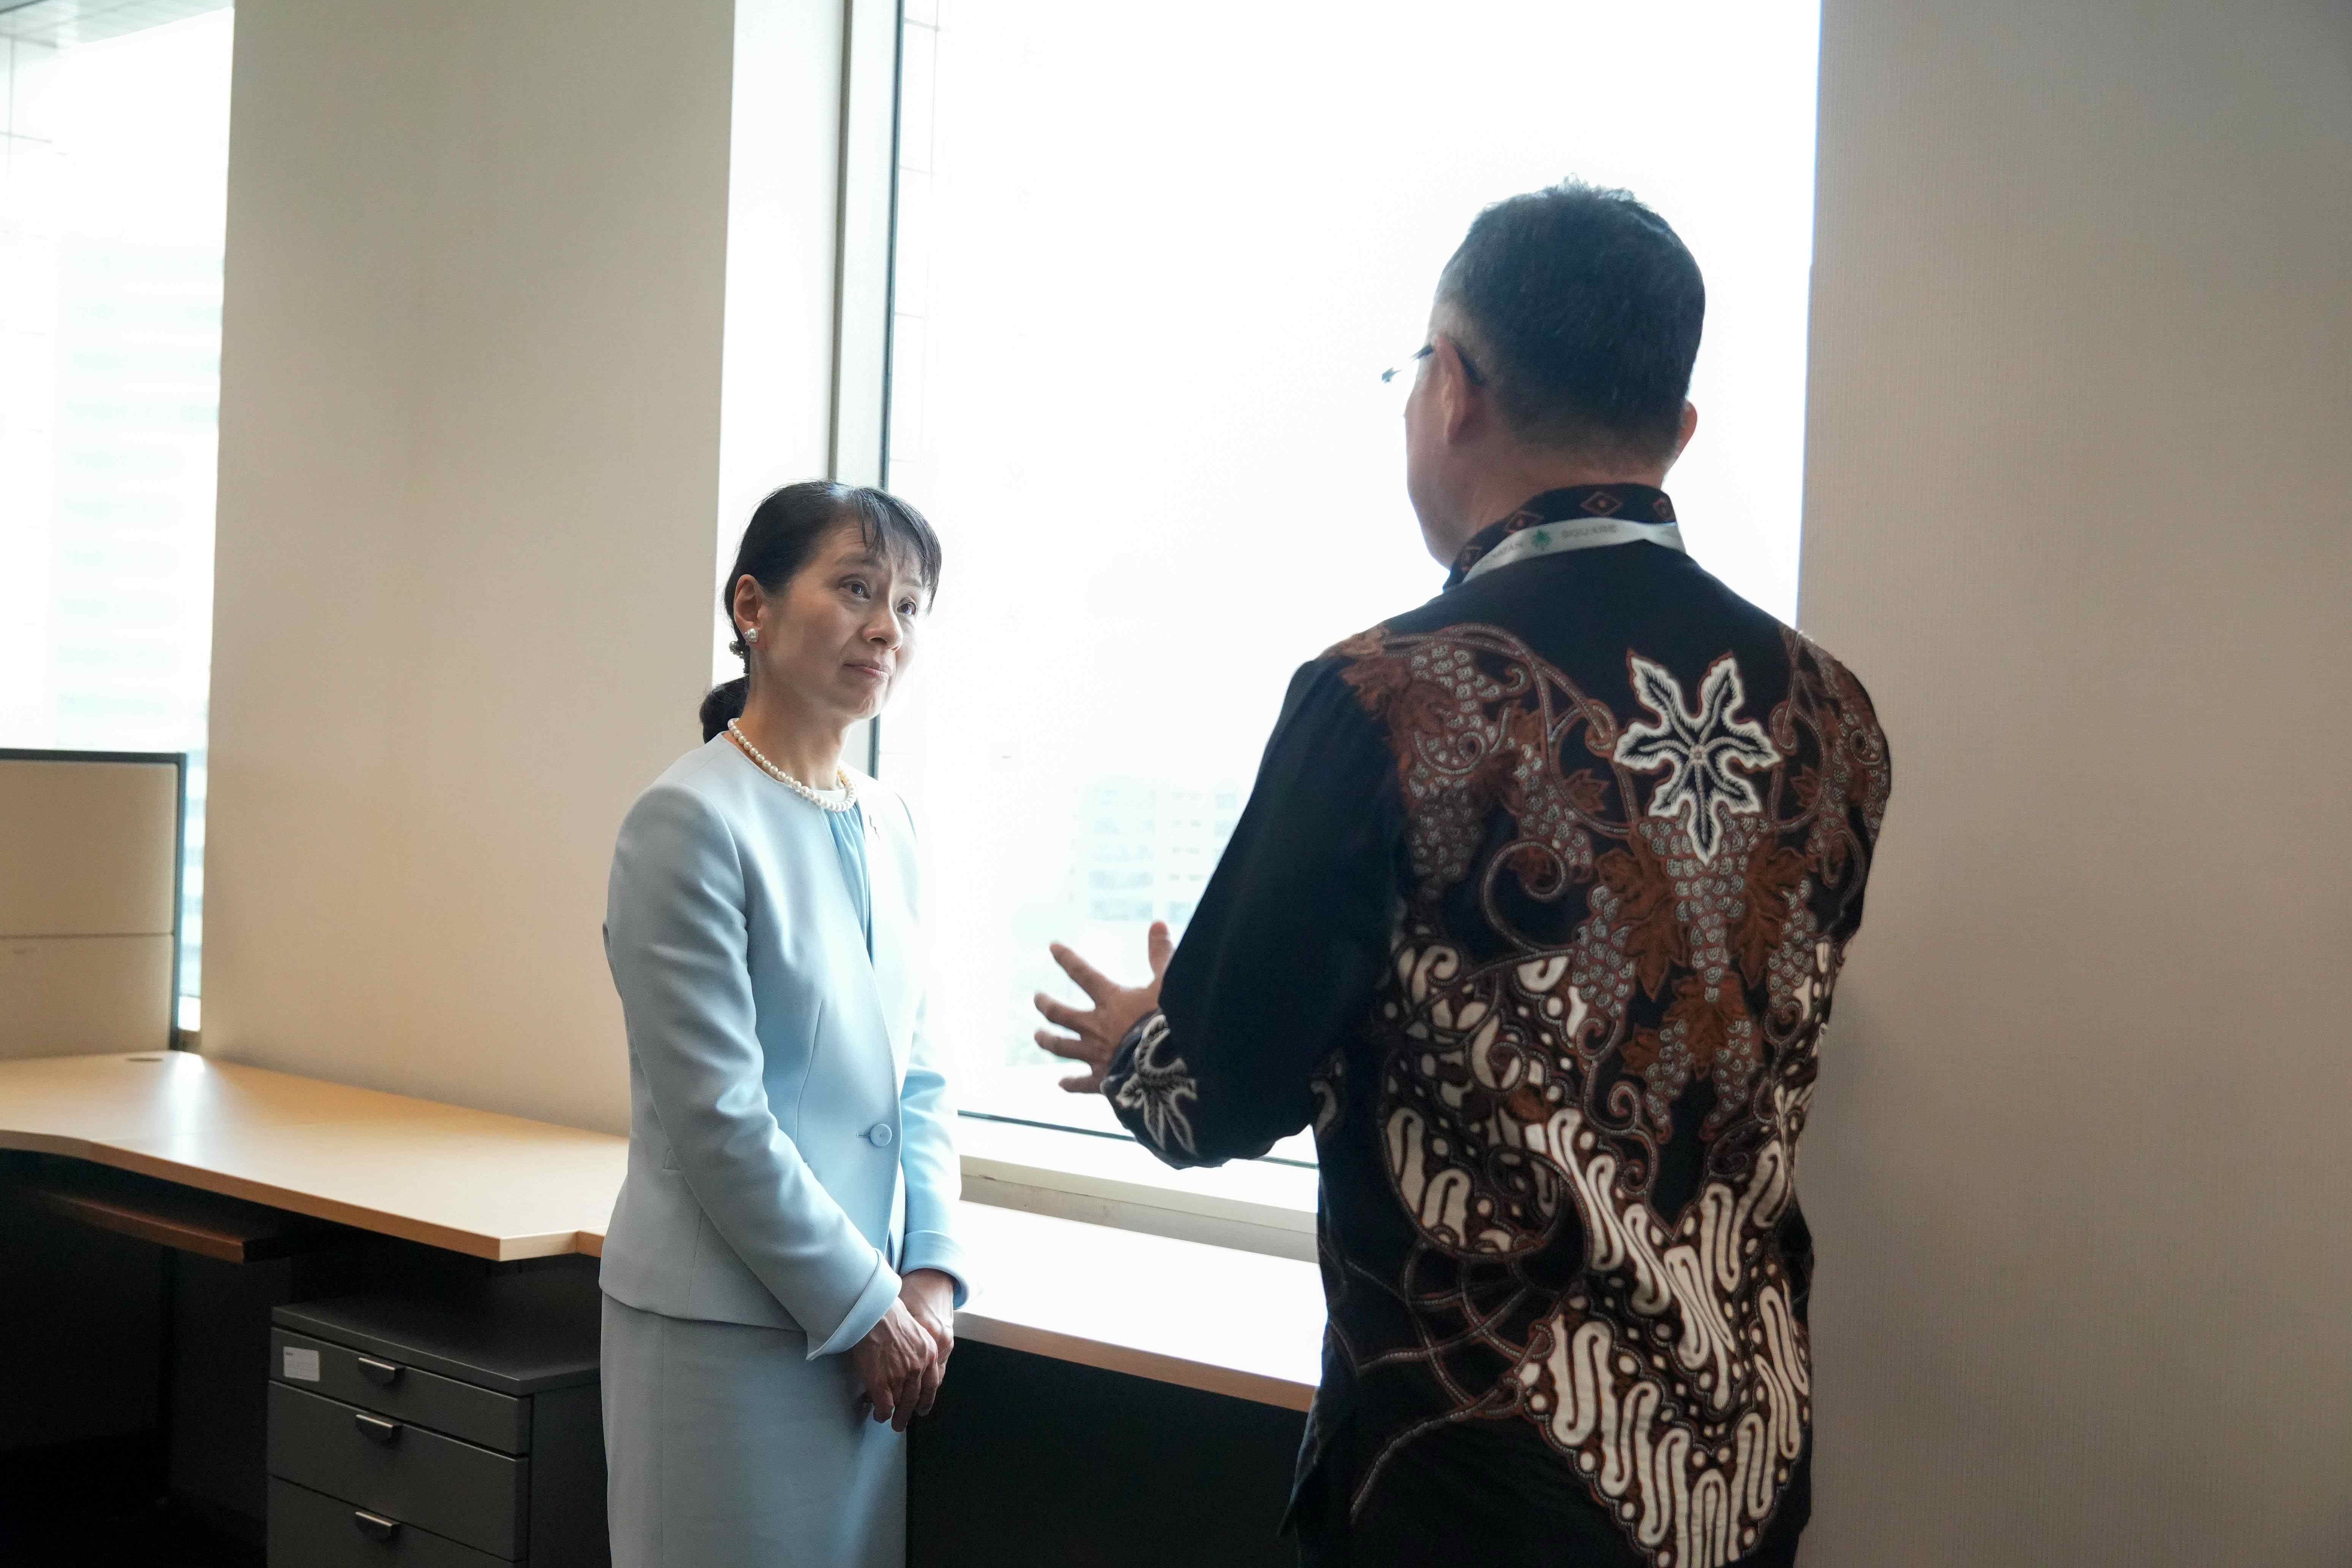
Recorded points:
1534,914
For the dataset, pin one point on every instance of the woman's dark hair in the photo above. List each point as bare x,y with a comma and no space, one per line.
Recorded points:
784,531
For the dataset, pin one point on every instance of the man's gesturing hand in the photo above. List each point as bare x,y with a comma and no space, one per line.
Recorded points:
1096,1032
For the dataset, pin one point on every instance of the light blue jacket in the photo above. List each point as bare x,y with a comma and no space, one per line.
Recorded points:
790,1141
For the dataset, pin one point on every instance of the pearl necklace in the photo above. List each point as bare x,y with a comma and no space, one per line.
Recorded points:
849,790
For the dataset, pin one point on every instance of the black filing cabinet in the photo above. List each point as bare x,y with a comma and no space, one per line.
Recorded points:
459,1429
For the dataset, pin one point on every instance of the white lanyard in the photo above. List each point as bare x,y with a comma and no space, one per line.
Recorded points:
1576,534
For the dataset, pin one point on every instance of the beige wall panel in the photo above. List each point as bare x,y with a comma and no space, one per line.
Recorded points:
2079,510
84,995
88,848
469,437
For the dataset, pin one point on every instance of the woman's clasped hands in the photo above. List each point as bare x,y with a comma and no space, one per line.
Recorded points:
902,1358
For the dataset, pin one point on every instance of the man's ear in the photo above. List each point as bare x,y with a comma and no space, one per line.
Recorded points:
1689,429
1458,397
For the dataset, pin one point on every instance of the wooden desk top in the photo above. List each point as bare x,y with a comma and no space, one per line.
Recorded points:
492,1187
504,1188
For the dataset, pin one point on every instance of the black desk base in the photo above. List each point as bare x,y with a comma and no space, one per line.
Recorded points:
133,1372
1028,1462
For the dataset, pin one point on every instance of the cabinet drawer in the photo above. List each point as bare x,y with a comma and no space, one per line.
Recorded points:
308,1530
404,1393
438,1484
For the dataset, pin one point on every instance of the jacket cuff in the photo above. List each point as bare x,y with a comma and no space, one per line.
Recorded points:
938,1249
873,1302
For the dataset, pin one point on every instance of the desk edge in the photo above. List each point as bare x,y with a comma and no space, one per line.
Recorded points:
1257,1387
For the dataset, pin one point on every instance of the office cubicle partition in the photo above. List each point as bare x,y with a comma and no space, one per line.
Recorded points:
90,846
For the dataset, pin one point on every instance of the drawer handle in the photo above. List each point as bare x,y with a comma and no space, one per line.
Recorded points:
375,1528
376,1429
382,1373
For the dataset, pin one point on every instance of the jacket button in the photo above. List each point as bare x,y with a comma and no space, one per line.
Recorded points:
879,1135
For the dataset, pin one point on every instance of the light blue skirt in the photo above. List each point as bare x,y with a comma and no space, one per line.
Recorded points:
727,1447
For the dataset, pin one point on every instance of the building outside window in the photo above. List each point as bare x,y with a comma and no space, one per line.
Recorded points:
113,186
1147,272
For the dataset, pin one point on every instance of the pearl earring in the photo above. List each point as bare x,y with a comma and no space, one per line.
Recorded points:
751,634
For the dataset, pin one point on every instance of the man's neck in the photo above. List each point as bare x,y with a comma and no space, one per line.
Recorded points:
1499,491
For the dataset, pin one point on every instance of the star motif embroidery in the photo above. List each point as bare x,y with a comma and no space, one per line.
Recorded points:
1698,749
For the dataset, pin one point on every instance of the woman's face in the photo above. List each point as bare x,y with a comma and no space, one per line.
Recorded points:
838,636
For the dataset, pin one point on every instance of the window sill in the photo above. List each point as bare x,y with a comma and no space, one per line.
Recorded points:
1248,1206
1217,1318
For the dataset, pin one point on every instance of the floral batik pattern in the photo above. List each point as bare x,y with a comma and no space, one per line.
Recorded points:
1596,1045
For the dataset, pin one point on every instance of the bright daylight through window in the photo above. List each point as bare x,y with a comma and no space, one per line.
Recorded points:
1148,268
113,198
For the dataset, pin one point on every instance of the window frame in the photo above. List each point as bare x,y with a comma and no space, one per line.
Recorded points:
1258,1205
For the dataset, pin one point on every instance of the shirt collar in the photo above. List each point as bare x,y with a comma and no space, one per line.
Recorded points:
1634,503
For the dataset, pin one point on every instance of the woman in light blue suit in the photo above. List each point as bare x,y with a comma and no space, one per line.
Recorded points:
781,1272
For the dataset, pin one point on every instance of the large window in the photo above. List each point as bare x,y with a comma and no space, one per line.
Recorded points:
112,203
1149,262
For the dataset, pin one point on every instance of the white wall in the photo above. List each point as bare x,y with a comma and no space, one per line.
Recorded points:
2079,511
470,472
